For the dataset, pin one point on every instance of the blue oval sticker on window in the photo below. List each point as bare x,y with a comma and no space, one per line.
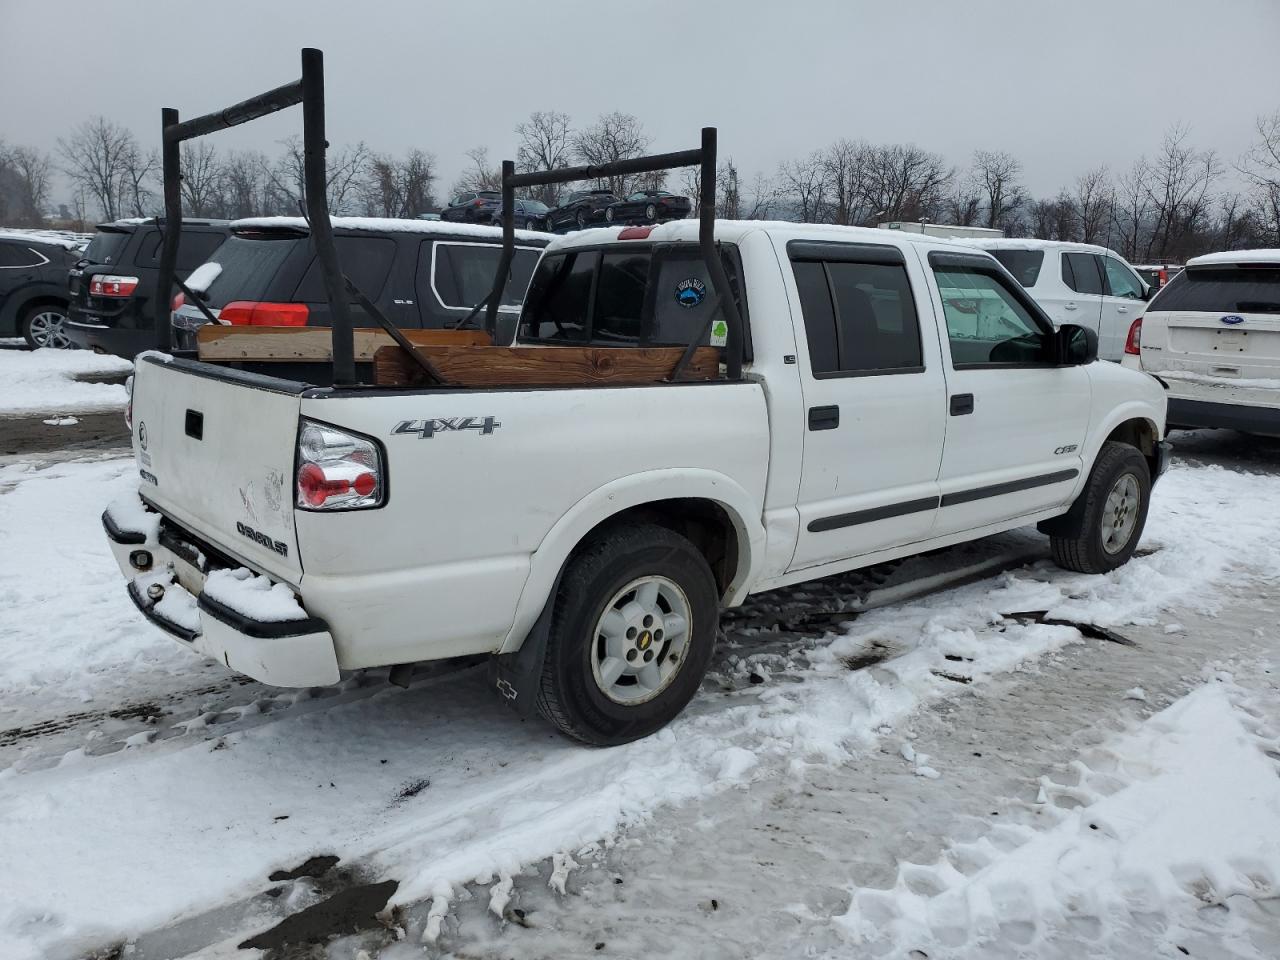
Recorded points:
690,292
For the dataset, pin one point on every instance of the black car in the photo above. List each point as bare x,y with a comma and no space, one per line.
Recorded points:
472,206
421,274
33,287
580,209
113,286
530,214
649,206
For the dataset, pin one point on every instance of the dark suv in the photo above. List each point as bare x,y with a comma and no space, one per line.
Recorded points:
114,284
418,273
580,209
33,287
472,206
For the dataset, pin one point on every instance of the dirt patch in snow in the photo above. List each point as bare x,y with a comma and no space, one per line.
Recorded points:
20,435
347,912
311,867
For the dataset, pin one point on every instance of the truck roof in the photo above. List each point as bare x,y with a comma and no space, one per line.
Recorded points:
735,230
1236,256
1028,243
436,228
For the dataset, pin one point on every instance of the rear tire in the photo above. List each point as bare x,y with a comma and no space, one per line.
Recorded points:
42,326
1113,512
581,219
651,213
632,633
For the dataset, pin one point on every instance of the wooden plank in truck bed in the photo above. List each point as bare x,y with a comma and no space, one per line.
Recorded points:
216,342
543,366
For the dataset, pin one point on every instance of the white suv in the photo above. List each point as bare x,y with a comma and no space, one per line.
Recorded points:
1076,283
1212,335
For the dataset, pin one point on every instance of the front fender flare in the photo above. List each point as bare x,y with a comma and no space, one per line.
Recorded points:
623,494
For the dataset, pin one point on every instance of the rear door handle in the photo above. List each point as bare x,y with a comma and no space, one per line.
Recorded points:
824,418
961,403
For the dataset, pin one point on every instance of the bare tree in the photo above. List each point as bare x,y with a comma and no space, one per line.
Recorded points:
1181,178
24,185
245,191
1261,166
399,188
95,157
344,175
615,136
480,175
844,166
140,171
997,173
905,182
202,179
1132,206
546,143
803,186
1091,204
963,204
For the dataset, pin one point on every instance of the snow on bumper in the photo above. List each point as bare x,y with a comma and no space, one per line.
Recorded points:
242,623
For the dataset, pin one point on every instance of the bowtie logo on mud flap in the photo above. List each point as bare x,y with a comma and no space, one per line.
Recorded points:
426,429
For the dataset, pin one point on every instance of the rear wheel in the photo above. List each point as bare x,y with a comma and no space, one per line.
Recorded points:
1113,512
531,224
42,326
651,212
581,219
632,634
608,214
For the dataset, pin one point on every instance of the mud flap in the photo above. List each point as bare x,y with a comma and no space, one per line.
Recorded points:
515,676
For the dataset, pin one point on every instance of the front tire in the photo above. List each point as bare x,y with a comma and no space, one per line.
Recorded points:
1112,513
632,633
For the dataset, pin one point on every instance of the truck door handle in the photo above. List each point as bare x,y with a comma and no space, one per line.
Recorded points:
824,418
1121,308
961,403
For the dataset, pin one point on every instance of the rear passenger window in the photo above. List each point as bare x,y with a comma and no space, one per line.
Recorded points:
461,274
1080,272
858,317
13,255
365,260
1121,281
562,291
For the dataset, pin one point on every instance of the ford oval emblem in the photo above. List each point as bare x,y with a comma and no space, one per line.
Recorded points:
1233,319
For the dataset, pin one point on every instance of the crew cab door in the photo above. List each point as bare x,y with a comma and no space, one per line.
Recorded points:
874,398
1015,421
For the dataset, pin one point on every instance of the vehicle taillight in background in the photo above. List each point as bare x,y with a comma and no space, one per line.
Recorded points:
1133,344
250,313
178,301
337,470
1164,278
110,285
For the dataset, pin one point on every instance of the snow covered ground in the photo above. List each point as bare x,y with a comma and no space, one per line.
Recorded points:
947,775
44,382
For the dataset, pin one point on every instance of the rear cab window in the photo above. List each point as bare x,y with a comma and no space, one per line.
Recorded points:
1023,264
1221,290
629,296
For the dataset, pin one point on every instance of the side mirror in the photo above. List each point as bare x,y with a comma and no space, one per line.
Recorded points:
1076,345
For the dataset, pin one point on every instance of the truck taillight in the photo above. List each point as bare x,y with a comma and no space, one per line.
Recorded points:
110,285
1133,344
337,470
128,407
251,313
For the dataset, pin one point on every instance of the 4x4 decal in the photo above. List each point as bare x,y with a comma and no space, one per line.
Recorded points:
426,429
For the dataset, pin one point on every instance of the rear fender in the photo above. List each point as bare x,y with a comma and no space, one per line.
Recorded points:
623,494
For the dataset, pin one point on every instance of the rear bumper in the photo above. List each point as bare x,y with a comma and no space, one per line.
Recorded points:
122,342
1196,414
165,568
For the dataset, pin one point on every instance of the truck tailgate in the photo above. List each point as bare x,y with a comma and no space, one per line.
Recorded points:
215,451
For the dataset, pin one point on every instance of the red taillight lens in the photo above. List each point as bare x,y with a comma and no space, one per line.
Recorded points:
635,233
337,470
128,407
178,301
1133,343
250,313
110,285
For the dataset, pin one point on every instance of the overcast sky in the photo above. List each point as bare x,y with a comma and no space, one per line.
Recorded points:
1064,86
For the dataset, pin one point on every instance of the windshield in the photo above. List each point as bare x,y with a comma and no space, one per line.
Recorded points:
1222,290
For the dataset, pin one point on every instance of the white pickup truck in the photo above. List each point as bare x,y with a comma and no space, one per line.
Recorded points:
899,394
